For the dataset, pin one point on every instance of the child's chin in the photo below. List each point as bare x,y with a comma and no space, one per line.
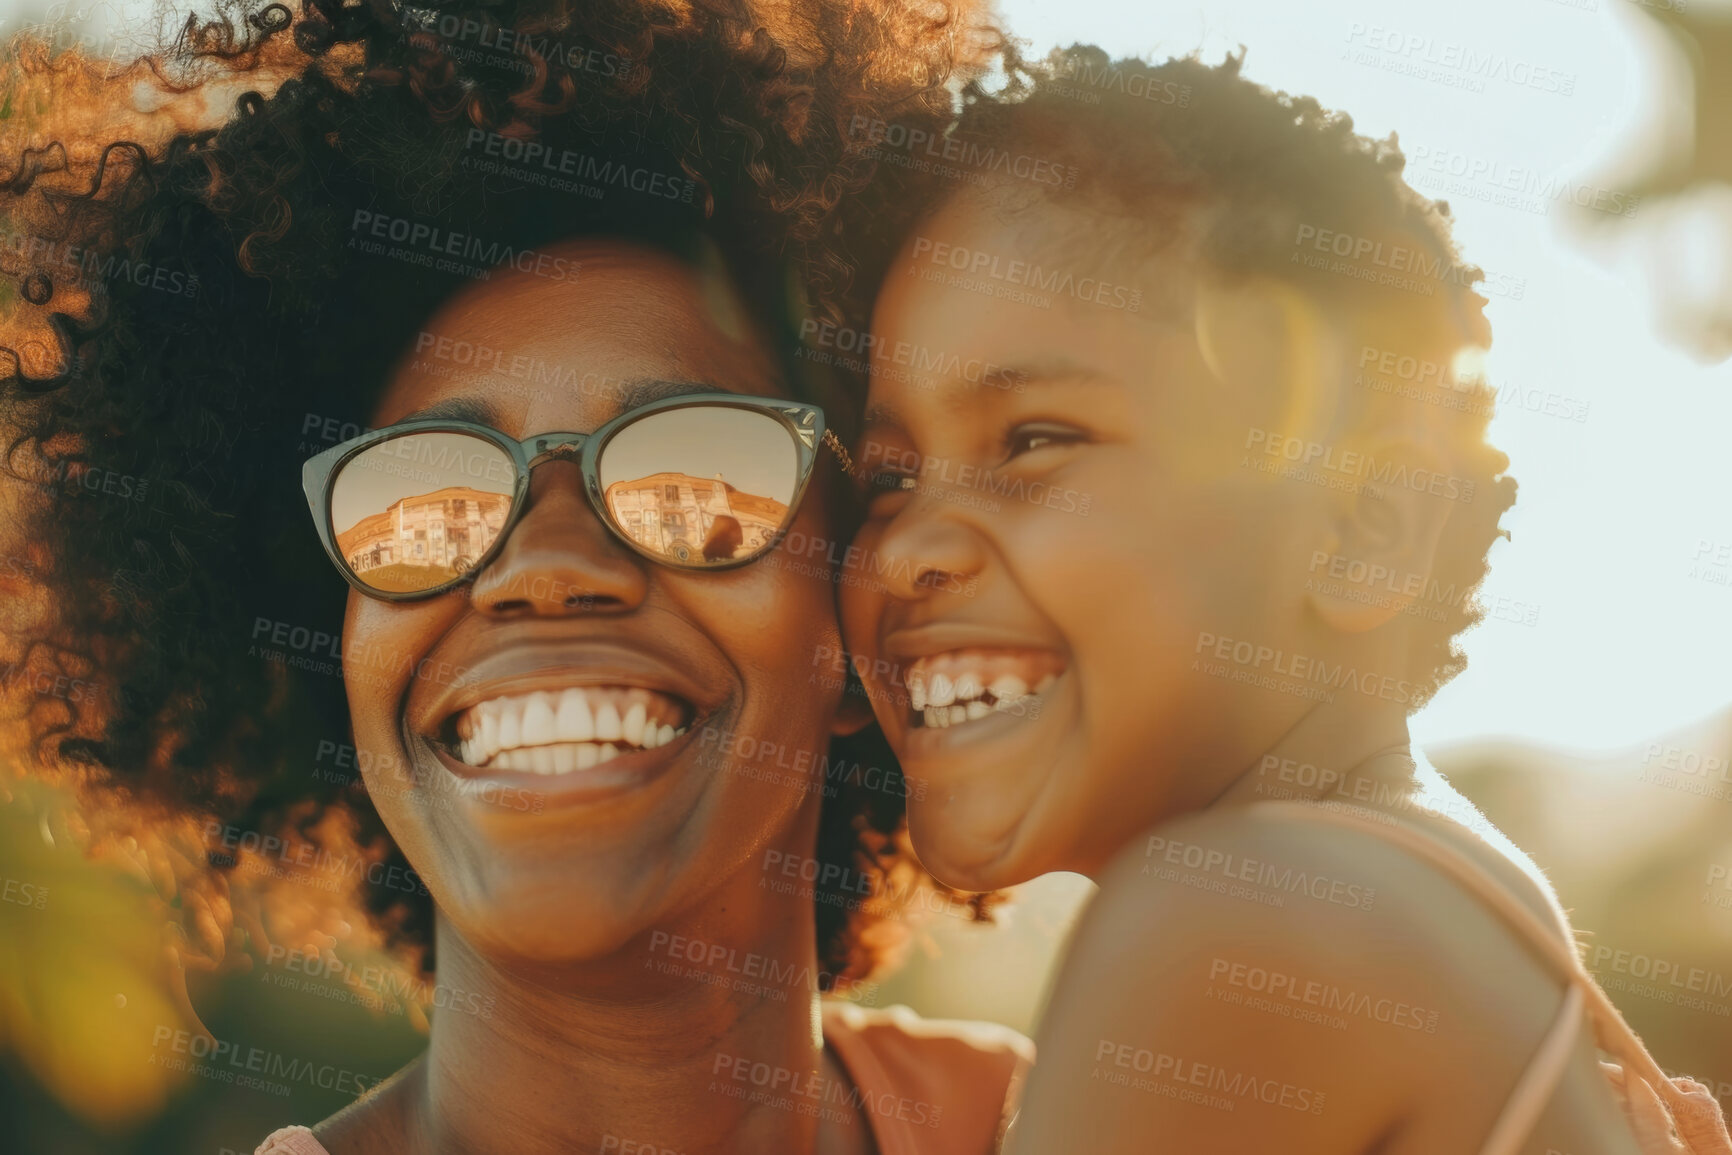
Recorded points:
966,851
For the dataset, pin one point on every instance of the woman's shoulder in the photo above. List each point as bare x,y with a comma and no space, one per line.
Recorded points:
945,1082
946,1079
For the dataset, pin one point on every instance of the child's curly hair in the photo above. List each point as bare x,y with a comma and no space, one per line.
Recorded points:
188,314
1186,153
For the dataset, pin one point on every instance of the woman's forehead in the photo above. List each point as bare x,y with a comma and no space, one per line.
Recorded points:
574,322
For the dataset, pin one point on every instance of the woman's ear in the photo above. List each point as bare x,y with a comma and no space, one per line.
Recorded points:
1380,544
854,711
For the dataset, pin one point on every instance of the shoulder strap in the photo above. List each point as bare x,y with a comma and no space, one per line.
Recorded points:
291,1141
1521,1111
1612,1032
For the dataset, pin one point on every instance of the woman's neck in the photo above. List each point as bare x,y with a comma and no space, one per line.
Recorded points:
645,1048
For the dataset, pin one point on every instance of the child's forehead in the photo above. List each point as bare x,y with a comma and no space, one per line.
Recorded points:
1148,264
941,351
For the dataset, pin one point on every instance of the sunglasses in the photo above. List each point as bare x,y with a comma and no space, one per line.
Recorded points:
702,481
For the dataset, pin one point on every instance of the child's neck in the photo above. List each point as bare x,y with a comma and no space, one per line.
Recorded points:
1335,748
1327,752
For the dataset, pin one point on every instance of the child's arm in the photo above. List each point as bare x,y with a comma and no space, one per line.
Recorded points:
1244,985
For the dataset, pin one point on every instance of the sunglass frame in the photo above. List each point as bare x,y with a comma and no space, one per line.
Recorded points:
804,423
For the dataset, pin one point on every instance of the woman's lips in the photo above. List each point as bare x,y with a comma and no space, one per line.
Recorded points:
521,675
559,731
629,771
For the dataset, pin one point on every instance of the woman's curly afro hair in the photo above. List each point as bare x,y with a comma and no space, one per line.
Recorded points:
190,313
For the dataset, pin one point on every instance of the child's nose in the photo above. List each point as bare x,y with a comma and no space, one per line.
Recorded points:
920,555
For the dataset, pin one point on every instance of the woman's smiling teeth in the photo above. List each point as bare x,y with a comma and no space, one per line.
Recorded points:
960,686
559,731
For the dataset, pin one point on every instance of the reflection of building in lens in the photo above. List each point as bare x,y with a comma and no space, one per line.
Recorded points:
678,515
448,530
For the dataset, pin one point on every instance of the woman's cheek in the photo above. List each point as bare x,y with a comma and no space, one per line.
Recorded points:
385,647
811,654
860,598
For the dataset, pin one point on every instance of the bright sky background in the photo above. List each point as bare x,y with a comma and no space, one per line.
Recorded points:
1626,645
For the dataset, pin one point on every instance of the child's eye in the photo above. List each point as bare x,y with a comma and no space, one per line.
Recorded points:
889,479
1028,438
881,481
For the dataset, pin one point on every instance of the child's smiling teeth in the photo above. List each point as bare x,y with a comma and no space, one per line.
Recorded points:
960,686
559,731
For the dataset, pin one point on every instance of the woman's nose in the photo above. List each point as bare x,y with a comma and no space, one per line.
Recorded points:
559,558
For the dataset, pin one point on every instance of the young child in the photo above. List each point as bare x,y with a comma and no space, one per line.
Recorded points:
1163,584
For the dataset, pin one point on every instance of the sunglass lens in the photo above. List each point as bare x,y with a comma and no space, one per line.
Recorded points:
417,511
705,485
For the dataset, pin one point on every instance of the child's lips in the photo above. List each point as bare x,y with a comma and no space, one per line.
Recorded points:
956,687
958,673
935,737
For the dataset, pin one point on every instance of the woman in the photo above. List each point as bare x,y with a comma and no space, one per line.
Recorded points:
546,696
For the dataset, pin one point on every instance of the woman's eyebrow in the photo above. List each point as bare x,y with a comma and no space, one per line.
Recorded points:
642,391
474,410
629,394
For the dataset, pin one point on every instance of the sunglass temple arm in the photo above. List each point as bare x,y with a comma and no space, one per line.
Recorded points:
841,452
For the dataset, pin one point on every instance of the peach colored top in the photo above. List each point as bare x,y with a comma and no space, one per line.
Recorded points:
927,1086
